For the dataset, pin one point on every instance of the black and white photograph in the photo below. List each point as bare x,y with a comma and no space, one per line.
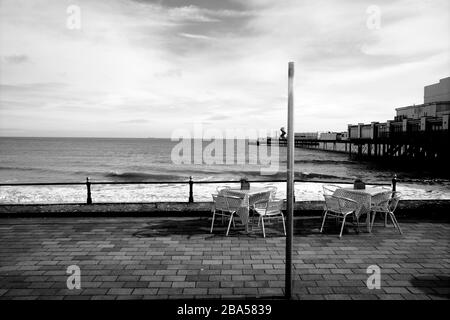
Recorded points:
226,156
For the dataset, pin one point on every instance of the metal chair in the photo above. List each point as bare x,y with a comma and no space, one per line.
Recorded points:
266,208
386,203
340,208
221,190
330,189
273,192
225,206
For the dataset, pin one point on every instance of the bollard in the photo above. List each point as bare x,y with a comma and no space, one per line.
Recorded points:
88,186
191,192
394,183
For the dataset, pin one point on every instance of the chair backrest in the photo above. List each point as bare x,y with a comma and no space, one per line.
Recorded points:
331,203
220,202
262,197
346,204
329,189
233,202
393,201
275,206
273,191
222,190
382,199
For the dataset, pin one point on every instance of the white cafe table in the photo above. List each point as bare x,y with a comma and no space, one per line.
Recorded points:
363,197
248,199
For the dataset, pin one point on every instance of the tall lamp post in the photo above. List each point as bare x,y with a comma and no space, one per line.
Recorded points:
290,182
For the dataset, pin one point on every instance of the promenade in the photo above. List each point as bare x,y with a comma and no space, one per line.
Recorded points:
174,258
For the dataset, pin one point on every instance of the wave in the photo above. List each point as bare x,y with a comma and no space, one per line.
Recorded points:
28,169
215,175
316,161
19,168
140,176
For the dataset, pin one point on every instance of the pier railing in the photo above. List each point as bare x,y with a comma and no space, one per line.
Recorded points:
190,183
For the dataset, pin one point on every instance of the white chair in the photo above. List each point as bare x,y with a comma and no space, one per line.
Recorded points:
225,206
273,192
340,208
330,189
386,203
221,190
266,208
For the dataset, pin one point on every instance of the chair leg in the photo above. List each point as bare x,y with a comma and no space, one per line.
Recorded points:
373,220
394,220
323,221
229,224
385,220
390,217
284,225
342,228
357,223
263,230
212,223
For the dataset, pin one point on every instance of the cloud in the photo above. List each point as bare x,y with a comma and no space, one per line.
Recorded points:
135,121
175,63
16,58
195,36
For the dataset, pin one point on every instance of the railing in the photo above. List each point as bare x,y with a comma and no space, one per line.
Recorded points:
190,182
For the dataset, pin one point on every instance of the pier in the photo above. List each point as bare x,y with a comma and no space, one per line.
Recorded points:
431,146
417,134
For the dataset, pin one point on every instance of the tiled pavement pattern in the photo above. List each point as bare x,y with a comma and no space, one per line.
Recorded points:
160,258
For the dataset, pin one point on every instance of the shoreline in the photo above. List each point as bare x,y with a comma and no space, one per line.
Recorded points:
137,193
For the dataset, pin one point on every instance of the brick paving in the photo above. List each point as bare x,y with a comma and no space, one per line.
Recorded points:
172,258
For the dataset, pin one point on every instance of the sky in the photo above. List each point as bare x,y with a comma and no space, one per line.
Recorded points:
135,68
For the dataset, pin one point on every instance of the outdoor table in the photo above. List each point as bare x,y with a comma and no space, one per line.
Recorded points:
248,198
363,197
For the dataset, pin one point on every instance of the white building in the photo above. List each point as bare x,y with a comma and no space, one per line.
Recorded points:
437,92
436,103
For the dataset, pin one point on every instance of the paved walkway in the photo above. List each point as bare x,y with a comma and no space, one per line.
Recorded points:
160,258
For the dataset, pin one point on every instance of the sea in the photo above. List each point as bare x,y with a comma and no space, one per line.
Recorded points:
48,160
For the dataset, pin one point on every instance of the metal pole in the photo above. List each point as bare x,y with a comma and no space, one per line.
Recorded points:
290,183
191,192
88,186
394,183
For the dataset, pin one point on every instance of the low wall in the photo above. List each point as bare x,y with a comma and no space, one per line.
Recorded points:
406,208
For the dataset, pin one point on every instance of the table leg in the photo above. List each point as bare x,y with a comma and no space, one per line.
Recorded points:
248,219
368,221
244,215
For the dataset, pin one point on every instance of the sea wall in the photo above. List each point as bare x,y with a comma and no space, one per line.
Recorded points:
406,208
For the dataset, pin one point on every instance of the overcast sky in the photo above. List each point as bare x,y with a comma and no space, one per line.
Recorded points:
145,68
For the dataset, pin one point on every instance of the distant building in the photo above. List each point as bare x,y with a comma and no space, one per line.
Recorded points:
306,135
432,115
432,109
333,136
436,103
437,92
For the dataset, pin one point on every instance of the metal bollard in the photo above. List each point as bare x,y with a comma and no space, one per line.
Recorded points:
394,183
88,186
191,191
